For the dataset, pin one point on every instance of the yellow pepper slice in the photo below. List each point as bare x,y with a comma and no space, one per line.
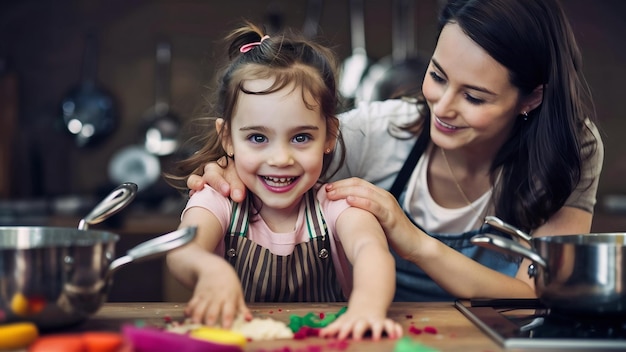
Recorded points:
19,305
17,335
220,336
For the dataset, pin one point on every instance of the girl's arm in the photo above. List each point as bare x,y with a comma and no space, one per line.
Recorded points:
217,293
374,278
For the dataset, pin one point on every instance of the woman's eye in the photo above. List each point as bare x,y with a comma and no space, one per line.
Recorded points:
301,138
257,138
436,77
473,100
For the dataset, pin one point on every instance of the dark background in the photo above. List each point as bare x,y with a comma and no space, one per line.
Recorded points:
41,52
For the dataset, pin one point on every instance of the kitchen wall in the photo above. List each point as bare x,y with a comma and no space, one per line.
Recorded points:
42,43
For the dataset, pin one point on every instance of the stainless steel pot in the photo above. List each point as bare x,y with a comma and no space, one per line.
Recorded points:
55,276
581,274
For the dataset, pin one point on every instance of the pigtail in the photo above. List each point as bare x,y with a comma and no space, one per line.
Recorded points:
240,37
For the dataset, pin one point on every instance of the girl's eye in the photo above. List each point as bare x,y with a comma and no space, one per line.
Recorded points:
436,77
301,138
472,100
257,138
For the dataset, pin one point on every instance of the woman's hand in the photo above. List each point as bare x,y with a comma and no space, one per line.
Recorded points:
362,194
221,176
217,299
356,324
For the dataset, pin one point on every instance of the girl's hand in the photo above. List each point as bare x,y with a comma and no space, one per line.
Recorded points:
356,324
217,299
383,205
221,176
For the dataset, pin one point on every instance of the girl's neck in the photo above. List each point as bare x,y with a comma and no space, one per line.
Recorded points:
280,220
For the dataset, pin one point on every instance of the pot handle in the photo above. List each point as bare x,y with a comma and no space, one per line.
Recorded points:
154,248
119,198
500,225
507,246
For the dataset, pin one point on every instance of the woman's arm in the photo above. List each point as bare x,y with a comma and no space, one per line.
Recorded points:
461,276
224,179
373,278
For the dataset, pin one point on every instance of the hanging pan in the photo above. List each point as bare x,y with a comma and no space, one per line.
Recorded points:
88,110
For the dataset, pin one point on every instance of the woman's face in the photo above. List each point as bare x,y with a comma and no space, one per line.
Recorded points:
278,144
473,105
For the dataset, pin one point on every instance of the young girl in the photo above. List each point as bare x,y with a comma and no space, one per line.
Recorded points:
287,242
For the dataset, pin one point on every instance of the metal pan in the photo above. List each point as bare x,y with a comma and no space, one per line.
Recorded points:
578,273
56,277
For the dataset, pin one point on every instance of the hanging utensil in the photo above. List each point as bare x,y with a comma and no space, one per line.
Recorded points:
354,67
161,126
403,71
135,164
312,18
89,111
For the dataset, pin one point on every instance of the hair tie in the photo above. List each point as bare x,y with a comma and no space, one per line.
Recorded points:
246,47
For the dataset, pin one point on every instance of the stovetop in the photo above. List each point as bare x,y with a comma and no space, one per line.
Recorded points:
527,324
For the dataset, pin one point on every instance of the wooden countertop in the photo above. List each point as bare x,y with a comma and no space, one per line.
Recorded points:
454,331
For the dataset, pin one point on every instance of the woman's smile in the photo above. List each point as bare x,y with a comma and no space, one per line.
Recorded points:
440,124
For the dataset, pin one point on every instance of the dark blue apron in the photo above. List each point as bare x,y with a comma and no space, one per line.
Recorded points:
412,283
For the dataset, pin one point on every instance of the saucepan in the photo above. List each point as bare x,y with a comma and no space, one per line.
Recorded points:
582,274
57,277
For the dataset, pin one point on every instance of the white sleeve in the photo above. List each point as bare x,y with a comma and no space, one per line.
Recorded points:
375,150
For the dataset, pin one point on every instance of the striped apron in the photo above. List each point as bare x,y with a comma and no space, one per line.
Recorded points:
306,275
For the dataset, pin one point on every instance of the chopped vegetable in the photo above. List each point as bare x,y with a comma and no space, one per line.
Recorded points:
406,344
313,320
17,335
102,341
58,343
217,335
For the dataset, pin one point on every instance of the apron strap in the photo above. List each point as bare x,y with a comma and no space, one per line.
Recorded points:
239,219
411,161
316,225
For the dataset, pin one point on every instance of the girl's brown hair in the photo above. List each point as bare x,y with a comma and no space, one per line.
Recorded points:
289,59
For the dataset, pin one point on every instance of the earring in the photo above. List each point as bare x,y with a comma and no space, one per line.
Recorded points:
525,113
230,155
327,151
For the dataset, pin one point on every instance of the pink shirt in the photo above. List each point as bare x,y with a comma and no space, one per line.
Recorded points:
280,243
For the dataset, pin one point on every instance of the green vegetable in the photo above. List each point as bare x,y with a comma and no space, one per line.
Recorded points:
313,320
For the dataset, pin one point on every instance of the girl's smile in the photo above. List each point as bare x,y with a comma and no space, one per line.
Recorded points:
279,184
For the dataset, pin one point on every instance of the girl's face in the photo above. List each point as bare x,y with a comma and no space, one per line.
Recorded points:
472,102
278,144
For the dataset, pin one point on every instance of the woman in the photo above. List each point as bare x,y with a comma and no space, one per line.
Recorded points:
504,127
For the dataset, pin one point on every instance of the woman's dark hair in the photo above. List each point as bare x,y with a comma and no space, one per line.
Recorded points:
288,59
542,159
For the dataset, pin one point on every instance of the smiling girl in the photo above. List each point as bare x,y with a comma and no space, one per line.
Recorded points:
287,242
